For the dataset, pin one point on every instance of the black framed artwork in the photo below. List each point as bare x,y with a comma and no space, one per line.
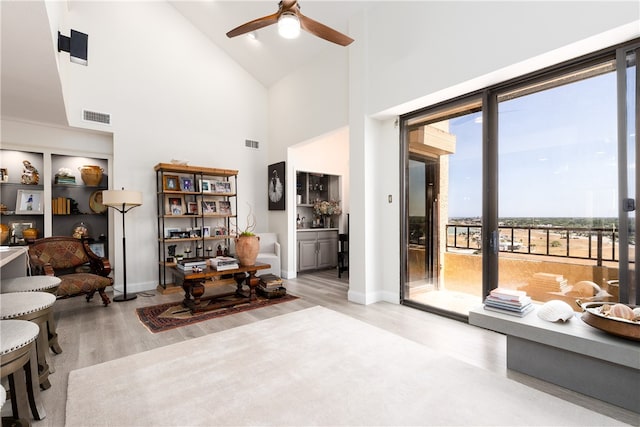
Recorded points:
276,186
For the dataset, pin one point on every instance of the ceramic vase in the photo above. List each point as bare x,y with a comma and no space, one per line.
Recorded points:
247,248
4,229
91,175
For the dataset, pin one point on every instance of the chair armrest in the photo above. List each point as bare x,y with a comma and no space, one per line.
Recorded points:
39,267
99,266
276,247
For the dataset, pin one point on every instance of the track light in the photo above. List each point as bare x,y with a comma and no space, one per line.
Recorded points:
289,25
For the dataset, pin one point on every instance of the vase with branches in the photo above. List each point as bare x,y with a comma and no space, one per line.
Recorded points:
247,243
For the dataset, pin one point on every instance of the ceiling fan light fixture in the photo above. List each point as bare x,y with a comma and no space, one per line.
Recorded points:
289,25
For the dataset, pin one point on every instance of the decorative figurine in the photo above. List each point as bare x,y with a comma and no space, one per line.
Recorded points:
30,174
219,251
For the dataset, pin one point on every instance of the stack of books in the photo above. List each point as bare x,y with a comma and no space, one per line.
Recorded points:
223,263
191,263
508,301
65,179
270,282
271,286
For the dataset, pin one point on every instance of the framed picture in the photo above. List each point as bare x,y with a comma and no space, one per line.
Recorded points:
4,175
18,227
205,186
175,206
192,208
186,184
180,234
276,186
224,207
29,202
169,230
171,183
206,231
97,248
222,187
208,207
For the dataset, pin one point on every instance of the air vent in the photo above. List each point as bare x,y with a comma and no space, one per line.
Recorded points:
251,144
92,116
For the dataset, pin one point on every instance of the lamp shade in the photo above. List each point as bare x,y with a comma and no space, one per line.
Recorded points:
118,198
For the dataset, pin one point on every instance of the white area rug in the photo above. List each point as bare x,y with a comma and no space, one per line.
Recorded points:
311,367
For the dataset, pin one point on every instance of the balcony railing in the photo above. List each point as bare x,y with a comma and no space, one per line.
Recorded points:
596,244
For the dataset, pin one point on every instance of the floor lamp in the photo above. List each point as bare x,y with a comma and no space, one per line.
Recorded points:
122,201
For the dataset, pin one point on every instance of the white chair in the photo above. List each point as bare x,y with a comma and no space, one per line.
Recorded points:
269,253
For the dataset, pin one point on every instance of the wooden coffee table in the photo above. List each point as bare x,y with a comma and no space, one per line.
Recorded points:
193,285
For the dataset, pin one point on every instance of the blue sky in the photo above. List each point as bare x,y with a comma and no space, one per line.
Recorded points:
558,154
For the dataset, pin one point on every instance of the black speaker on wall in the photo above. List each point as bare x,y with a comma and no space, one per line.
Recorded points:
77,45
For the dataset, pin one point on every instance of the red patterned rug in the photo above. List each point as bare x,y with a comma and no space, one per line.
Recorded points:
163,317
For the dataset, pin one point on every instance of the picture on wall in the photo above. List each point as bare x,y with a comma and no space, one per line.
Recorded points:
276,186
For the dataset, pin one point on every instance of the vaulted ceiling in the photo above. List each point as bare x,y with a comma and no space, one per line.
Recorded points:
30,87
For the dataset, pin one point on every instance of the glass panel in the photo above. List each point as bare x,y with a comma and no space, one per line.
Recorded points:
629,287
558,200
444,198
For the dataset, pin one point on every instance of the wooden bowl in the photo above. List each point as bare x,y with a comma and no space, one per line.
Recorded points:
619,327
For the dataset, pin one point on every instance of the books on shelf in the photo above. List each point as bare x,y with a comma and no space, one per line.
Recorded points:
508,301
223,263
191,263
63,179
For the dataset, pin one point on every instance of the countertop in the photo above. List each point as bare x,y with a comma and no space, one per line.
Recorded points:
302,230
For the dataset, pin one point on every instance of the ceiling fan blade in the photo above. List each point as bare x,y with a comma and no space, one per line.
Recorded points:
256,24
322,31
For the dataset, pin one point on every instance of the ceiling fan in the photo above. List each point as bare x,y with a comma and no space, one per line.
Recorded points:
288,17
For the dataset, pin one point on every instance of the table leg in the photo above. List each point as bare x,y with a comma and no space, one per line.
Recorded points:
239,278
197,290
253,281
186,286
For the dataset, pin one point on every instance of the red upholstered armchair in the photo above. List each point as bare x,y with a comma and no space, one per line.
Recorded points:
82,272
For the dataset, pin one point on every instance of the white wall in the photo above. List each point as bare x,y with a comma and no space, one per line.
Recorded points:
417,49
309,104
171,94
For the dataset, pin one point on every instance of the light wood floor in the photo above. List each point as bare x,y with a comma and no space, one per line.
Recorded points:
90,334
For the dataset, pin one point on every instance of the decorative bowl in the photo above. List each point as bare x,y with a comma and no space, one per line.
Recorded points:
593,316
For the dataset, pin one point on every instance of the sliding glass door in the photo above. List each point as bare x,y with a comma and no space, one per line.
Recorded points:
444,201
529,185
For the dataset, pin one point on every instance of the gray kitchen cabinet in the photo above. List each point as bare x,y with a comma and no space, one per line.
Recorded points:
317,249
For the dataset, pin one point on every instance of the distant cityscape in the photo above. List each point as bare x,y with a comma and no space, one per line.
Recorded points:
608,223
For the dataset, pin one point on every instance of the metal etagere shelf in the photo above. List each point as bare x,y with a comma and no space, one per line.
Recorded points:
195,206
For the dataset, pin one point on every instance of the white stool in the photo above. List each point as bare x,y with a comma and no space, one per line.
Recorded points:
18,363
37,307
30,284
37,284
